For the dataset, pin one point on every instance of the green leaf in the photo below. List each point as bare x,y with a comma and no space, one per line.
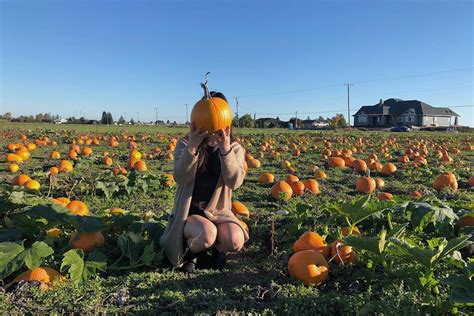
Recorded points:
420,255
463,289
80,270
11,258
129,244
371,244
108,188
423,213
34,256
452,246
148,254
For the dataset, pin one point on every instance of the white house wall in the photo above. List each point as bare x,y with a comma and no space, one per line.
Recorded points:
436,120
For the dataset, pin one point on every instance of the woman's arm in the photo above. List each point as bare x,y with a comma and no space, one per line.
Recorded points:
185,163
232,165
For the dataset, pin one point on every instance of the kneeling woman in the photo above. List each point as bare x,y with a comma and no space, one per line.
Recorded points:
206,168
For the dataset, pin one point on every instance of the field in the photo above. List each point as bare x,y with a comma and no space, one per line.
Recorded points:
414,255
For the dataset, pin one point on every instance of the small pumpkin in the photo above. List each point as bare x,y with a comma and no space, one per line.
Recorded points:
312,186
341,253
336,162
240,209
78,208
266,177
446,180
389,169
311,241
87,241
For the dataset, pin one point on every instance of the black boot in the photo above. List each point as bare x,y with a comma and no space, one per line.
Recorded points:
218,258
190,261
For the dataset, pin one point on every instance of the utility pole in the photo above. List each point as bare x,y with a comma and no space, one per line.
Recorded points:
187,116
348,103
156,116
237,103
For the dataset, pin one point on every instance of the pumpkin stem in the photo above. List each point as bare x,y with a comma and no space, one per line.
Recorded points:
204,86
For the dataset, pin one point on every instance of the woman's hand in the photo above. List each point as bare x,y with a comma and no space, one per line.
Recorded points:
223,140
195,139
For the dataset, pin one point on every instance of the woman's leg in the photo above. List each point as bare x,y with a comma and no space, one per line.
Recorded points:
200,233
230,237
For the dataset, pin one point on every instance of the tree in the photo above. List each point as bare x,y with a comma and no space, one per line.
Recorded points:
167,121
235,123
321,119
121,120
132,121
103,120
7,116
47,117
246,121
110,119
337,121
39,117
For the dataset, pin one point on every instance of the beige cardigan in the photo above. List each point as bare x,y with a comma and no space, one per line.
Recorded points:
219,208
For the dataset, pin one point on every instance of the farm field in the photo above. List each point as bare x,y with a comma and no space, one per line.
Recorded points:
411,251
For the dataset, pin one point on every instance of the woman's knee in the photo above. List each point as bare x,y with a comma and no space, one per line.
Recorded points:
200,233
230,237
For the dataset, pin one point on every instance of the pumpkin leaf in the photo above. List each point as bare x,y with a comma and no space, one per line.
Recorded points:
35,255
452,246
129,244
80,270
107,188
422,214
11,234
148,254
11,258
462,289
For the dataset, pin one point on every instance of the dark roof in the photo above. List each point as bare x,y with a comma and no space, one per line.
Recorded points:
398,107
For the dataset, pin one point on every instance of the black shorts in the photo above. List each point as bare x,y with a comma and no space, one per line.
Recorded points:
195,211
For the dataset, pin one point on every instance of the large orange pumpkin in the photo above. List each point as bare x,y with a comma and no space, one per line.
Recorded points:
312,186
336,162
308,266
311,241
446,179
366,185
41,274
87,241
212,114
389,168
297,187
359,165
282,187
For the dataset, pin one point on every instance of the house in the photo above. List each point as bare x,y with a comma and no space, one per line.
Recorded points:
268,122
393,112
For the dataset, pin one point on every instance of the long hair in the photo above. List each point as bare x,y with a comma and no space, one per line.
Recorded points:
203,152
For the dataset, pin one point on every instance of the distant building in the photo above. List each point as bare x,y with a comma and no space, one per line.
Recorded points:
394,112
268,122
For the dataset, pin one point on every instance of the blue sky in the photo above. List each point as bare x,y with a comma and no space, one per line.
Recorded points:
83,57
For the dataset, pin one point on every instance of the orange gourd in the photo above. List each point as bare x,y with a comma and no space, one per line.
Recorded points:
308,266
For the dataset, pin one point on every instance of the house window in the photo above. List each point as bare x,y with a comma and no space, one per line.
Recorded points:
409,116
362,118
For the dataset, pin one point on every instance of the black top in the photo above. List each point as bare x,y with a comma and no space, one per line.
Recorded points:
206,180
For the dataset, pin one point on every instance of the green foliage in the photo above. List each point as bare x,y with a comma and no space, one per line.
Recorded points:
13,256
79,269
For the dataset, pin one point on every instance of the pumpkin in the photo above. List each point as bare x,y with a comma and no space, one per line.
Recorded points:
211,114
348,161
311,241
87,241
312,186
355,231
320,174
20,179
389,168
65,166
404,159
446,180
308,266
467,220
291,178
119,171
365,185
53,232
336,162
470,183
266,177
41,274
32,185
117,211
55,155
169,182
297,187
13,167
253,163
282,187
415,194
140,166
78,208
359,165
342,253
379,183
240,209
136,154
385,196
13,158
64,201
54,170
107,161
